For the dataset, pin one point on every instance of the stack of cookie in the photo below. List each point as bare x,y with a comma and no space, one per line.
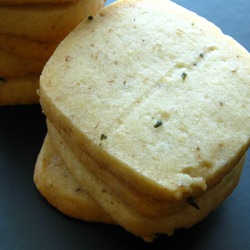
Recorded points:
30,30
148,116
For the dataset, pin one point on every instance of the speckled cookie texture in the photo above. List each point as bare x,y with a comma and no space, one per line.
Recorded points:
153,103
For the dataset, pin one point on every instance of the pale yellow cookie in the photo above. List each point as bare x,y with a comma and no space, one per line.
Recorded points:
28,36
158,117
188,212
56,184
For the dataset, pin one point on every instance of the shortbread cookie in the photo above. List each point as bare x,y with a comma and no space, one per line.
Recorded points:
161,114
45,23
189,212
19,90
29,34
146,109
61,190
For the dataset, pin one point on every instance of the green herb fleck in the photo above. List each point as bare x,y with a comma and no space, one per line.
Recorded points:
190,200
221,104
184,76
103,137
158,124
90,17
201,55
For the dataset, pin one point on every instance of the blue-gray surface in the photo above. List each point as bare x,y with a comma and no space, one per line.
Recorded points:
28,222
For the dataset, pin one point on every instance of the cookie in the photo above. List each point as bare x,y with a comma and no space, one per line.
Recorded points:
153,102
26,49
185,214
14,66
57,185
45,23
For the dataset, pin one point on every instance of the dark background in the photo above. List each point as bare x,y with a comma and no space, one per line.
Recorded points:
27,221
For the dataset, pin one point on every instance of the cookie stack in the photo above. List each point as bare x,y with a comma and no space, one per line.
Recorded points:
30,30
148,116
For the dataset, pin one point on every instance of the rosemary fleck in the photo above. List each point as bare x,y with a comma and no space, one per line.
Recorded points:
184,76
158,124
103,137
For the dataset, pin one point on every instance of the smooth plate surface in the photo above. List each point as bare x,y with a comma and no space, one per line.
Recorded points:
27,221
